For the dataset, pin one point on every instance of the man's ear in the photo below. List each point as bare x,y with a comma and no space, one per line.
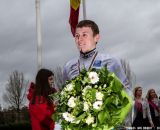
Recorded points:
97,37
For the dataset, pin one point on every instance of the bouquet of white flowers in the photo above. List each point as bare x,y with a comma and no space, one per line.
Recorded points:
94,100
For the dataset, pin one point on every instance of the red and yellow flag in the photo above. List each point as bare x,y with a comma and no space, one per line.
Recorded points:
74,14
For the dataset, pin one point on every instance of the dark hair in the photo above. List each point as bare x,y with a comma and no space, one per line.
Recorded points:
89,23
42,87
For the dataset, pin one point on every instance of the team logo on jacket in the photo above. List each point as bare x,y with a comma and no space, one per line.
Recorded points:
97,63
73,71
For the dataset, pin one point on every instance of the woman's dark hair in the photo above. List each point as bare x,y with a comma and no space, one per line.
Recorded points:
42,87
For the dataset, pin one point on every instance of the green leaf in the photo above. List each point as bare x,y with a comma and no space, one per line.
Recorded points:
82,116
125,101
55,116
93,93
103,116
116,85
78,86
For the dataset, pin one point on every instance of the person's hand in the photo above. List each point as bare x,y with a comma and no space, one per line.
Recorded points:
152,125
55,104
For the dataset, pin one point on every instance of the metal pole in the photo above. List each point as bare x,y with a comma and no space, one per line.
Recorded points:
39,35
84,9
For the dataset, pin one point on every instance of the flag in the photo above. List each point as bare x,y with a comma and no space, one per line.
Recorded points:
74,14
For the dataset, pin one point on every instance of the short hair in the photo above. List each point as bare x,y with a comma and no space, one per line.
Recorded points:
89,23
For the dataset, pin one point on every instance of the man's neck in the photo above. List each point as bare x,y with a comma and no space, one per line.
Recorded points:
87,54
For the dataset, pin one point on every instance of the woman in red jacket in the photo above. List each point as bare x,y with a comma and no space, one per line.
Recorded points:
40,106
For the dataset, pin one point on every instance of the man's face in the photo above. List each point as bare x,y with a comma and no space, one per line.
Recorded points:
85,40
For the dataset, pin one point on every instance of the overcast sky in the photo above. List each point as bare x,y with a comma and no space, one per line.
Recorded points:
130,29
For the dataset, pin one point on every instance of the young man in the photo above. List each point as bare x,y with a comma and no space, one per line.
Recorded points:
86,38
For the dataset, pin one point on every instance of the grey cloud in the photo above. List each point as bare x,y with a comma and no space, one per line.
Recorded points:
129,29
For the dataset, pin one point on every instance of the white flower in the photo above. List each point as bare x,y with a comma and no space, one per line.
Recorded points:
89,120
95,86
71,102
93,76
86,88
69,87
99,95
104,86
97,105
68,117
86,106
62,92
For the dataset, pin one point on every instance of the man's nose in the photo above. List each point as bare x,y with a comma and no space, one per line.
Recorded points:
80,38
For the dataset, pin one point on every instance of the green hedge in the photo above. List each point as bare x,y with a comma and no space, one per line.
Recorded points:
16,126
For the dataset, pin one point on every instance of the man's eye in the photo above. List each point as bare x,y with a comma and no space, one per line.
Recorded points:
84,35
76,36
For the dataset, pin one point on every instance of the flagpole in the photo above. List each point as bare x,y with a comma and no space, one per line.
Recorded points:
84,9
39,35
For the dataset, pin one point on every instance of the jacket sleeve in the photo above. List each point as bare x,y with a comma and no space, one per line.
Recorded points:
65,75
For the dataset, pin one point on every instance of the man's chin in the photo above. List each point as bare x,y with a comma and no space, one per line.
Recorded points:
82,50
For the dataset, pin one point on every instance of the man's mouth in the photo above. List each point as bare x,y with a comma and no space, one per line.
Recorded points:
81,44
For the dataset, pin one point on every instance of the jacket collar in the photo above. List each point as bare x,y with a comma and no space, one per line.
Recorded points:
88,54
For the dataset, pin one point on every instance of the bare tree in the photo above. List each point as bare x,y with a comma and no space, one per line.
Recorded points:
59,79
129,74
16,89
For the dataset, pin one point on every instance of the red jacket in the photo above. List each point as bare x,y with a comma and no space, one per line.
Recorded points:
40,113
